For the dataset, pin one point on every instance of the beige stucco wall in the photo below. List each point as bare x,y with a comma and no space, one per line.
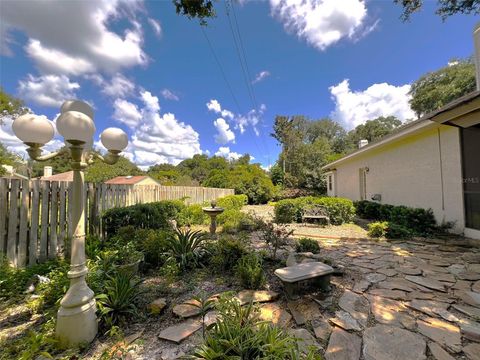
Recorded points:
410,172
147,181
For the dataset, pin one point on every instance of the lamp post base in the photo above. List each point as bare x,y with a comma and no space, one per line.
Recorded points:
77,325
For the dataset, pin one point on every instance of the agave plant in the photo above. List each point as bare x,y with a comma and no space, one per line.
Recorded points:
186,247
119,299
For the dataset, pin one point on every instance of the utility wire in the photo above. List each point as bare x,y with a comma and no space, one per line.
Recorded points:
221,69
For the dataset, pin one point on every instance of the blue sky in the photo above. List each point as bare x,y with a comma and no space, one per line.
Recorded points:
153,74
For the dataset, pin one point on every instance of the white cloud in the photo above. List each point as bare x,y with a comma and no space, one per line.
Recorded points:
156,137
241,121
321,23
214,105
155,24
262,75
224,134
169,95
353,108
119,86
126,113
224,151
47,90
80,42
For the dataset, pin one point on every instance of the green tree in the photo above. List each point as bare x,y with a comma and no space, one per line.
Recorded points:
100,172
8,158
59,164
373,130
436,89
445,8
10,106
201,9
276,174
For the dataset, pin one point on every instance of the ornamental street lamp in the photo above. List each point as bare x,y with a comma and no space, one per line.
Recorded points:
76,319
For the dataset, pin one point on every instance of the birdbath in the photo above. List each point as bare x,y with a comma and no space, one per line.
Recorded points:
213,211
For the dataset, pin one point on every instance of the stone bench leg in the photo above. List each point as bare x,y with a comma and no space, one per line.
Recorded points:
322,282
291,290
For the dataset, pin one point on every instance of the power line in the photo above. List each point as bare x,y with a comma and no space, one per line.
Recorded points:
221,70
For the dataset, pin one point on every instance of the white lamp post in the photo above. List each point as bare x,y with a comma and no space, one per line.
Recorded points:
76,319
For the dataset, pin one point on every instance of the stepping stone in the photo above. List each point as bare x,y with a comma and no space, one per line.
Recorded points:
275,314
427,307
472,276
177,333
470,298
375,277
442,263
187,309
305,340
396,284
321,328
361,286
384,342
472,351
470,329
476,287
391,294
473,268
471,311
430,269
156,306
409,270
304,310
345,321
259,296
420,295
387,272
456,269
444,278
438,353
462,285
356,305
343,346
428,283
442,332
391,312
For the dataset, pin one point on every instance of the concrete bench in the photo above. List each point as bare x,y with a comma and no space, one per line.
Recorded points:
292,276
316,212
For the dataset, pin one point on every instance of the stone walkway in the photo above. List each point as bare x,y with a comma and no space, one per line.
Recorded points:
402,300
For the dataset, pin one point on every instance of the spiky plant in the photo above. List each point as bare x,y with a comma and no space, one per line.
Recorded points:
186,247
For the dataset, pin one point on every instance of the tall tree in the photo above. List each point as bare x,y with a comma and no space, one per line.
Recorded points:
445,8
10,106
436,89
201,9
373,130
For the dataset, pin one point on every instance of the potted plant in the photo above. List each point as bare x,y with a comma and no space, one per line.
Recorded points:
127,258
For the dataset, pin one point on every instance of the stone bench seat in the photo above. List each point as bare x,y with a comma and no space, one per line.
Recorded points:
291,276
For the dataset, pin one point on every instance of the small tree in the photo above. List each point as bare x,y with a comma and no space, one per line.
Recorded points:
275,235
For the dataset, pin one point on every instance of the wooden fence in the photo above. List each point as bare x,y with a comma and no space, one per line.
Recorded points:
35,215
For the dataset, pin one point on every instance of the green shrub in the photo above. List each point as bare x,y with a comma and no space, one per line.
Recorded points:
186,247
419,221
339,210
143,216
396,231
233,202
153,244
307,245
250,273
275,236
234,220
377,229
193,215
120,298
238,334
227,251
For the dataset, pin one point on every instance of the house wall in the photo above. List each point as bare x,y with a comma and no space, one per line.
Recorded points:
423,170
147,181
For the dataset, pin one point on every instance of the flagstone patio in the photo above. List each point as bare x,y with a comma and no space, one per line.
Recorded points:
395,300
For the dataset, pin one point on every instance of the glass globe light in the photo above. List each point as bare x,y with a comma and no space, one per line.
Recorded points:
75,125
31,128
77,105
114,139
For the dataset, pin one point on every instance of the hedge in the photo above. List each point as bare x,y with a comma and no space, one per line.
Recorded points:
417,220
156,215
339,210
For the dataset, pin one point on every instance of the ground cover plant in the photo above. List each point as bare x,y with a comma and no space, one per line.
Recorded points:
307,245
